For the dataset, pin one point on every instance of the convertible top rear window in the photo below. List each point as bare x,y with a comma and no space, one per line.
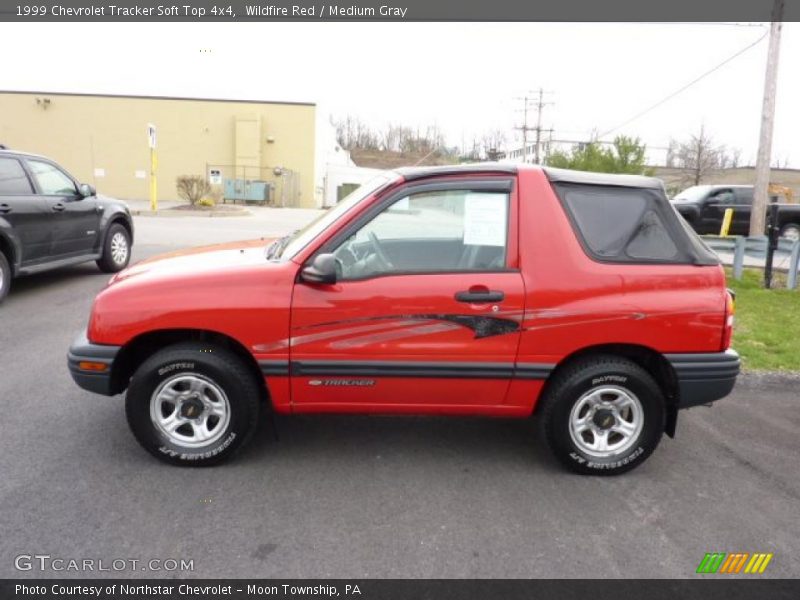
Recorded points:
629,224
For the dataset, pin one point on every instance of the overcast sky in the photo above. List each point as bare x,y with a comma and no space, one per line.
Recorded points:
463,77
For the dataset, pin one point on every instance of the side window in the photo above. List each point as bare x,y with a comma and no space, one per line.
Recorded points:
723,197
620,224
13,180
744,196
52,181
430,232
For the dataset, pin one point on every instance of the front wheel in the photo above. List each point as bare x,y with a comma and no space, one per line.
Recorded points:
603,416
5,276
193,404
116,249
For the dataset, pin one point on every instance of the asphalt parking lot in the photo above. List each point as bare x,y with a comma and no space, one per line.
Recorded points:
368,496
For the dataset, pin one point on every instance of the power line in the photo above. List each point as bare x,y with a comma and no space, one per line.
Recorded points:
687,86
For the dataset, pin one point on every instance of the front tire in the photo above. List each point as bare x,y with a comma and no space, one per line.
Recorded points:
116,249
602,416
5,277
193,404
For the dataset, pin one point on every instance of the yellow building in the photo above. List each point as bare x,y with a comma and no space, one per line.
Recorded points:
103,140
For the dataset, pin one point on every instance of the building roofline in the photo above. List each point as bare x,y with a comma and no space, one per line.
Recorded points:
139,97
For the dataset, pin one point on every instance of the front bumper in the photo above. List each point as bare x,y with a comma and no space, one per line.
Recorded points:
704,377
83,351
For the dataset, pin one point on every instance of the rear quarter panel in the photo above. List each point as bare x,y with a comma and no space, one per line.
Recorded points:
574,302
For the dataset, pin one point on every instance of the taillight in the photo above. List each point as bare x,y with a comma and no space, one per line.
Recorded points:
727,328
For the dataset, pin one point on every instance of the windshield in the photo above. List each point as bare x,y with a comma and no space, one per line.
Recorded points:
692,194
302,237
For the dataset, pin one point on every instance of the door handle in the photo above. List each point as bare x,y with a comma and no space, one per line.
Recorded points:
5,208
58,207
479,296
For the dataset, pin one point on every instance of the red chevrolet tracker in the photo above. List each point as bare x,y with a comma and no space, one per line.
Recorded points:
582,299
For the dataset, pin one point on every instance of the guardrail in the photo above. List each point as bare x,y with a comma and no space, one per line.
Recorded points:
756,247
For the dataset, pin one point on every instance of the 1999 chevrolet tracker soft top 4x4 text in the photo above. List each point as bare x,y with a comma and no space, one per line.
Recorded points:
495,290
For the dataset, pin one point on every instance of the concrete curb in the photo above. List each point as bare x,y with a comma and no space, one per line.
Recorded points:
760,379
192,213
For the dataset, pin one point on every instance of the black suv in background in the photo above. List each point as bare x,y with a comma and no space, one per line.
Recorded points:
703,207
49,220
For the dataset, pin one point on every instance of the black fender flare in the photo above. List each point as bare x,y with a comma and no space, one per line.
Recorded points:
113,214
11,246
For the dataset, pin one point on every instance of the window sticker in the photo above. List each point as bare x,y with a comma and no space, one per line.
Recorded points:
485,220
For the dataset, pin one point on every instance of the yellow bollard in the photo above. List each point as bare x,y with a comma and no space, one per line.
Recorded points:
726,222
153,180
152,144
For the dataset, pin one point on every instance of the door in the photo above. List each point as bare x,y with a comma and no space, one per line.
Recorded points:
75,218
24,211
425,314
714,209
741,210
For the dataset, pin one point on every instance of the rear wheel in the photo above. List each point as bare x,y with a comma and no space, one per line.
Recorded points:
116,249
193,404
5,276
603,416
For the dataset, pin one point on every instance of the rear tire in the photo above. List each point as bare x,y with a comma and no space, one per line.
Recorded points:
193,404
5,276
116,249
603,415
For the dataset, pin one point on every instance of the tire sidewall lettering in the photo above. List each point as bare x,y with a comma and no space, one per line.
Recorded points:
183,365
591,464
612,379
199,455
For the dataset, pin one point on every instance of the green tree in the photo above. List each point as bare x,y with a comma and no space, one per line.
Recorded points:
625,155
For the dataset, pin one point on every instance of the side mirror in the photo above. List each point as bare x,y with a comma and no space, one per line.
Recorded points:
85,190
321,270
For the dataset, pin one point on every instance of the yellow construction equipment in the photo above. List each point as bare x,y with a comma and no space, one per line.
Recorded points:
781,190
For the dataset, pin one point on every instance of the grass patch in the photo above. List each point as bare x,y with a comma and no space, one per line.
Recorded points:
766,332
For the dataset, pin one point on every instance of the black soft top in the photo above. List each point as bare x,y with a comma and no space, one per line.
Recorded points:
634,181
414,173
627,219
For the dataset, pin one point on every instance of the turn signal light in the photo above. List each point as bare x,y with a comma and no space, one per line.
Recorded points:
86,365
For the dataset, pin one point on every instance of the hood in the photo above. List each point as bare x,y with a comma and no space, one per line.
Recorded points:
197,261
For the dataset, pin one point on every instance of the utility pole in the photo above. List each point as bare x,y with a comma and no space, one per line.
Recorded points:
759,212
539,104
524,128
